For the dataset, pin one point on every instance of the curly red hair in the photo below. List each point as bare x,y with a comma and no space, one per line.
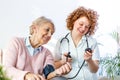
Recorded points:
80,12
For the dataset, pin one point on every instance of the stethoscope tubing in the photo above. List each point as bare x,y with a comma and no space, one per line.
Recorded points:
69,50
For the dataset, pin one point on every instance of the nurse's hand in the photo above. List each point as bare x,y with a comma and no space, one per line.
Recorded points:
65,58
64,69
88,55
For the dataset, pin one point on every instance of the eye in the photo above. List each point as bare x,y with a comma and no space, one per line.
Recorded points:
80,24
48,30
87,27
52,33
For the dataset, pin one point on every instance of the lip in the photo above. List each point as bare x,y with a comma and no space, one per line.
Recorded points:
46,38
80,31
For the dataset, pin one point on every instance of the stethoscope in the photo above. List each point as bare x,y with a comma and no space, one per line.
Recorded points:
87,49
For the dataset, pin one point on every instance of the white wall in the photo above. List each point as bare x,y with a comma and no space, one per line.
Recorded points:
16,17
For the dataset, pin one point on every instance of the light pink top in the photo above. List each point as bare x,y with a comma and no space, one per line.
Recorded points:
17,60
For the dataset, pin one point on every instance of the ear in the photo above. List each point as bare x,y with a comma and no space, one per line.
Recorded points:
34,28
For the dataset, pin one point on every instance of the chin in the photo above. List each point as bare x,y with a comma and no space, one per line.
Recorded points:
45,42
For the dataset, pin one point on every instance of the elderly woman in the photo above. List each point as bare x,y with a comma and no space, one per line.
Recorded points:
27,59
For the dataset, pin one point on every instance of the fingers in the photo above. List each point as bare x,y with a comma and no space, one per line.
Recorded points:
41,77
64,69
67,67
87,55
37,77
65,54
65,58
31,76
69,60
70,67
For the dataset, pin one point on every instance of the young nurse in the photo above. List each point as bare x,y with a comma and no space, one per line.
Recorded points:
81,23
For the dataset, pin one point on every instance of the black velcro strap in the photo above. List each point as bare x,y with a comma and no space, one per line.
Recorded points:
48,69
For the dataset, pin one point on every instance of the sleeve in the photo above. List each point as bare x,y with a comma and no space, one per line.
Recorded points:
96,53
57,54
49,59
10,60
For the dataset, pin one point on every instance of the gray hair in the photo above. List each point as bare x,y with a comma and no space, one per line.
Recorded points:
39,21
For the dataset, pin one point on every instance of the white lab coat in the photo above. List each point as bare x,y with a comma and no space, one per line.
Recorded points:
77,56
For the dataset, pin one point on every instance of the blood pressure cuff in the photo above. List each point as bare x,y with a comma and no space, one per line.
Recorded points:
48,69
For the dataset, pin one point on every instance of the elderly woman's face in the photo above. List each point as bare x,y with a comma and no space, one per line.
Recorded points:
44,33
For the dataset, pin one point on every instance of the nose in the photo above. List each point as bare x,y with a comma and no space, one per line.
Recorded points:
49,34
83,27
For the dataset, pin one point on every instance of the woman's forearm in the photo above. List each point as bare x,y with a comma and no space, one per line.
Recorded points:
58,64
93,65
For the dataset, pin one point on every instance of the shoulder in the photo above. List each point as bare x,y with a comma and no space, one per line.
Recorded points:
46,50
16,41
91,39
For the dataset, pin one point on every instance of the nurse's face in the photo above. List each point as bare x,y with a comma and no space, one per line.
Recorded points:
81,26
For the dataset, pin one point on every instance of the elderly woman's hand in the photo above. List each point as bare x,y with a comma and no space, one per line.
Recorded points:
31,76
